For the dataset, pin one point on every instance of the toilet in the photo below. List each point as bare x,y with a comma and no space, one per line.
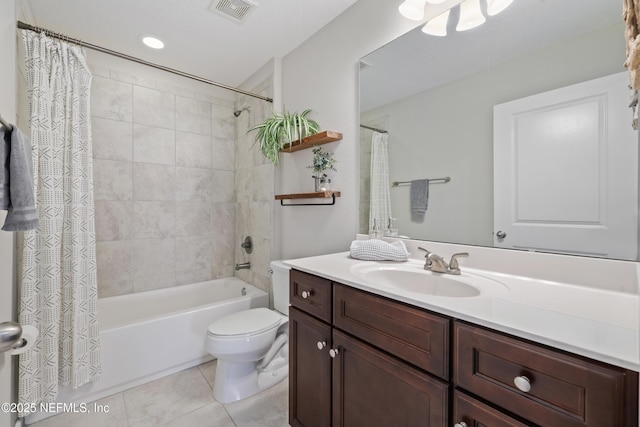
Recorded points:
252,346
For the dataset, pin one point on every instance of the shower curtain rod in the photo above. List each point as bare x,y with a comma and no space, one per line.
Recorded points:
50,33
374,129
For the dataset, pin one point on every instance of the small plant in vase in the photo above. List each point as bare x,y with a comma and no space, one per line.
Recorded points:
322,161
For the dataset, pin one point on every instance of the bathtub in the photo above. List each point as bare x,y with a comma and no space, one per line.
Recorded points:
148,335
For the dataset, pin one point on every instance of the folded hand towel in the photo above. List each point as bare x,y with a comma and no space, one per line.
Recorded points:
5,148
22,214
419,195
379,250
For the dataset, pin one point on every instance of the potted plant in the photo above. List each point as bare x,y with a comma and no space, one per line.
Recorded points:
322,161
281,129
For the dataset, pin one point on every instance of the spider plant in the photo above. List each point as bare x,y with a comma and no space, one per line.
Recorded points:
282,129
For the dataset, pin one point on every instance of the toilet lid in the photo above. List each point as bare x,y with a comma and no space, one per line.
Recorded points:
245,322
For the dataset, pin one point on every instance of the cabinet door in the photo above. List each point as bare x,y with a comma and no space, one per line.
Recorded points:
473,413
309,371
371,388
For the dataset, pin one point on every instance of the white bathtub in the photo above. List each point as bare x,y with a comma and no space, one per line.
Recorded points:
148,335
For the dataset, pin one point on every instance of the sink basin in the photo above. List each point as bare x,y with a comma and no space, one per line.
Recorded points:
412,277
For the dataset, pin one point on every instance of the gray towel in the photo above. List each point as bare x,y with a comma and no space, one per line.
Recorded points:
419,194
5,144
22,214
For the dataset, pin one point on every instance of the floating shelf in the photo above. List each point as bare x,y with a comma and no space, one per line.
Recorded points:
318,139
316,195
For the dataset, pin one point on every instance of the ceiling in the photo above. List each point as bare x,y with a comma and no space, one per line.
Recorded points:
197,41
416,62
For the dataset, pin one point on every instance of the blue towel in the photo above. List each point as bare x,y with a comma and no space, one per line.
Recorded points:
419,196
22,214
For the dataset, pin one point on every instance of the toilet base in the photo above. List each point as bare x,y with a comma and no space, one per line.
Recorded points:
235,381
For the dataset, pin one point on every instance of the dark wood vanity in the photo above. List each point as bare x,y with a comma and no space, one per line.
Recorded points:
359,359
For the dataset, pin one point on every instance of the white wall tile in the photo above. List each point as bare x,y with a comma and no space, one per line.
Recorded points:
112,180
223,154
194,219
111,99
154,256
193,150
154,182
154,219
154,108
154,145
114,220
193,184
111,139
193,115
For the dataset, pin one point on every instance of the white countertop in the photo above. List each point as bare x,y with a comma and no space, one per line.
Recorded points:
597,323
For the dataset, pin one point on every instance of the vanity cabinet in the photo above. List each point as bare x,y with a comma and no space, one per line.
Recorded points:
358,359
542,385
352,376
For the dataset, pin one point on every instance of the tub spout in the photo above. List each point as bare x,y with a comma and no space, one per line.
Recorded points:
243,266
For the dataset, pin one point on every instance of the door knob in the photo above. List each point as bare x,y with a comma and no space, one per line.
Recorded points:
501,234
321,345
333,353
460,424
10,333
306,294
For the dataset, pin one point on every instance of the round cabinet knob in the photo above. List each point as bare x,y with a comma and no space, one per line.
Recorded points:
522,383
333,353
501,234
306,294
460,424
321,344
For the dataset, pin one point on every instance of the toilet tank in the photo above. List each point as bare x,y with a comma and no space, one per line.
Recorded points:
280,284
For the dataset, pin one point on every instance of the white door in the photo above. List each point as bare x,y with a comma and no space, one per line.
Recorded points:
565,171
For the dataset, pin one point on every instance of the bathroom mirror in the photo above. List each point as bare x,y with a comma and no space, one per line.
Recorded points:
435,96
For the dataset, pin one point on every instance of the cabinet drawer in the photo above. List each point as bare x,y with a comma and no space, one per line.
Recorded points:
412,334
565,390
311,294
472,412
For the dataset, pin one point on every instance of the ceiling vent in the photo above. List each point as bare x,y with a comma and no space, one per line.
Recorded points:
236,10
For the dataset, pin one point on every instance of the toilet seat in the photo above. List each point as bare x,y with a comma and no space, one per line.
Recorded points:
246,323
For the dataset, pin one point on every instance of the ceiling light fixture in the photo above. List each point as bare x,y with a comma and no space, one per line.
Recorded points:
412,9
153,42
470,16
438,25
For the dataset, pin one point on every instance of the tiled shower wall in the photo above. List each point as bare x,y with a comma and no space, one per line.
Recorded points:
254,191
164,160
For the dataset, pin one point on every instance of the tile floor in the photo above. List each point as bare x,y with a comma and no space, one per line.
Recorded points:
184,399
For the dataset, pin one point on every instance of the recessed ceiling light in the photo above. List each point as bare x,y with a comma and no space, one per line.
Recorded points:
153,42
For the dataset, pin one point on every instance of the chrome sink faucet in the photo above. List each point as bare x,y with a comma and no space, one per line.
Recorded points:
437,264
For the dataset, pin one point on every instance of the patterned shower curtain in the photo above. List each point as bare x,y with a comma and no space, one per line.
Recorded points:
57,262
380,196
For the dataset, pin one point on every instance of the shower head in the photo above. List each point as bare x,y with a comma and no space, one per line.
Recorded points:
238,112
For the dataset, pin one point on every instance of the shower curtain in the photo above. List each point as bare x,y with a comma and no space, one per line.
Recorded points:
57,262
380,197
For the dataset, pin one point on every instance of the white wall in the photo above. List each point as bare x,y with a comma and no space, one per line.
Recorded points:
8,112
322,74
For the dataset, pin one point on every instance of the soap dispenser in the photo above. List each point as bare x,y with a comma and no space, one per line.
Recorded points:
374,232
390,231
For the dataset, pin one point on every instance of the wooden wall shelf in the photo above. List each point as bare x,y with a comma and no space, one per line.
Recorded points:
324,137
316,195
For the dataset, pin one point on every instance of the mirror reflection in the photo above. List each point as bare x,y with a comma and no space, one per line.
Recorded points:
527,115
